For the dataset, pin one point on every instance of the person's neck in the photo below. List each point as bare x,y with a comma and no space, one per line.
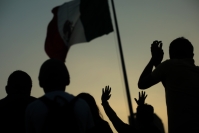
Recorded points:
17,95
49,89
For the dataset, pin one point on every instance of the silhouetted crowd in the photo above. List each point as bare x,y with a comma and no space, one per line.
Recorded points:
60,112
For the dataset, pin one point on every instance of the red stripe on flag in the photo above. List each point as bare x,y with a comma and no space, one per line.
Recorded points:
54,44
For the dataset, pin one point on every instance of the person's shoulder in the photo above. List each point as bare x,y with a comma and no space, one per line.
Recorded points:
81,106
179,61
168,61
63,94
36,104
68,95
81,102
197,67
166,64
78,102
3,101
32,99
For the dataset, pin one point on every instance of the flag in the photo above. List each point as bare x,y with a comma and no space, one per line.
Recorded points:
75,22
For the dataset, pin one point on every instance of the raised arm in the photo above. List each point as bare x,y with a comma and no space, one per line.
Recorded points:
141,99
146,80
119,125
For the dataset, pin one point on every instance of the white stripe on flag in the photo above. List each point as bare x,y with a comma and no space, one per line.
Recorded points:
70,11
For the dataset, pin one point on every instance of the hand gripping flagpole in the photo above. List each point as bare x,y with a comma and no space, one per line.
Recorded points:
131,118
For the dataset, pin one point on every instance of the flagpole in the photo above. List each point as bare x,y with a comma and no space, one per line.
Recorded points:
131,120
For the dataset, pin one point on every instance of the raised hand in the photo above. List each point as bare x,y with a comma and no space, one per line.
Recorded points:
142,97
157,52
106,93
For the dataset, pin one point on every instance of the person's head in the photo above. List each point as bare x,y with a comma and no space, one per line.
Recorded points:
92,104
145,114
19,82
181,48
53,76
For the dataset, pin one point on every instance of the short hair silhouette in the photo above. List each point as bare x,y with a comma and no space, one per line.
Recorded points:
53,74
181,48
145,113
19,82
92,104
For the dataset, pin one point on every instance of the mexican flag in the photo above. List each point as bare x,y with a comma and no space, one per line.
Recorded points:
76,22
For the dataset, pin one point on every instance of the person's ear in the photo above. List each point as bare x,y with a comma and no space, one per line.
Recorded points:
6,89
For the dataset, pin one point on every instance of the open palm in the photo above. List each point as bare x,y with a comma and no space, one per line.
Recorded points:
142,97
106,93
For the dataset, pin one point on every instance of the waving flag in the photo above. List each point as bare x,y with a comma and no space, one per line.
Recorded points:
75,22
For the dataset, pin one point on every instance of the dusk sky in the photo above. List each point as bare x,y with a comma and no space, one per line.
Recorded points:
96,64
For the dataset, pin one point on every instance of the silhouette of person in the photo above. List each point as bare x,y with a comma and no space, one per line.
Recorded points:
13,106
158,122
144,117
53,78
101,126
180,77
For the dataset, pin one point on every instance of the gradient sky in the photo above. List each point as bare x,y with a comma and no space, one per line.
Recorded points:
97,64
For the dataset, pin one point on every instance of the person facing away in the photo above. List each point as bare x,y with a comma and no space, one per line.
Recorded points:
144,117
101,126
179,76
13,106
53,78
